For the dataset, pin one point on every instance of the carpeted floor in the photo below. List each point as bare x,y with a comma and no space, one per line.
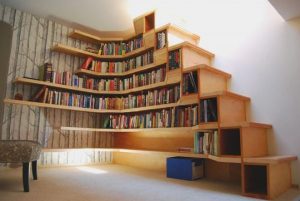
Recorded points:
116,183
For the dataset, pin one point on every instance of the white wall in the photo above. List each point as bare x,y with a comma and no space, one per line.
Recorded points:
259,49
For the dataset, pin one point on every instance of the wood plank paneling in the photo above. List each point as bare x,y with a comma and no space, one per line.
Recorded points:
32,40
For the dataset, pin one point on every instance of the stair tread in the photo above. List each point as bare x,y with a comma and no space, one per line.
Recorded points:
274,159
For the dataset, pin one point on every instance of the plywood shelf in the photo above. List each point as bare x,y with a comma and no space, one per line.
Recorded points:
159,152
126,73
189,99
225,93
82,53
178,31
211,69
61,107
214,125
245,124
124,130
107,111
28,81
83,90
192,47
270,159
80,35
104,111
225,159
206,126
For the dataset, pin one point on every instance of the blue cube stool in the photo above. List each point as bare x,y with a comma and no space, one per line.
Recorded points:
186,168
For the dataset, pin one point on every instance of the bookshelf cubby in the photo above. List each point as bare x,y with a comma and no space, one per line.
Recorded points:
190,83
174,61
149,22
230,142
144,23
187,111
161,39
208,110
256,179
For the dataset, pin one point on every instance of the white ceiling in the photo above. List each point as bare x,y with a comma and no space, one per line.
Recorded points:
104,15
288,9
97,16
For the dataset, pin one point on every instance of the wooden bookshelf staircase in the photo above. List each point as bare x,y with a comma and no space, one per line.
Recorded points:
241,145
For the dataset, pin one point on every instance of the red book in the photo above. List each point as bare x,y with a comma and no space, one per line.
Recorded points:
98,66
86,63
111,85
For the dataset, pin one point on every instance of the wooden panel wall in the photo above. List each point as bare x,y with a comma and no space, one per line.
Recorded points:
74,157
32,39
163,141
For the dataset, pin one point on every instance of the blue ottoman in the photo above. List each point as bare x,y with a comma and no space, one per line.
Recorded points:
186,168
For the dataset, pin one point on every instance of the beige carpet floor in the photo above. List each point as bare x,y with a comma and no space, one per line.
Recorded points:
116,183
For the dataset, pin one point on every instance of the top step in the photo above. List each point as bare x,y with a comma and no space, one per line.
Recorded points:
171,29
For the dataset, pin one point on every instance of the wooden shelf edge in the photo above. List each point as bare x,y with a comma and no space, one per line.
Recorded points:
145,151
81,35
226,159
225,93
104,111
180,32
126,73
53,106
175,29
122,150
214,125
162,28
76,149
270,159
206,126
197,49
257,195
189,99
147,108
21,80
245,124
78,52
73,51
215,70
67,87
129,130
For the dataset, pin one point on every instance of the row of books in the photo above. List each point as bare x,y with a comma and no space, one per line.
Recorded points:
155,97
104,66
206,143
120,66
161,40
165,118
186,116
45,72
136,80
174,59
120,48
79,100
209,110
116,84
139,61
158,119
190,83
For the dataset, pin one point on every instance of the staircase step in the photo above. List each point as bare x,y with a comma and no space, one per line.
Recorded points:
271,159
225,93
193,47
245,124
180,33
